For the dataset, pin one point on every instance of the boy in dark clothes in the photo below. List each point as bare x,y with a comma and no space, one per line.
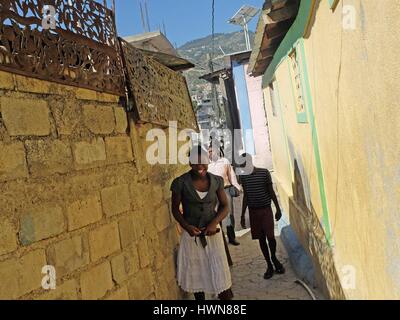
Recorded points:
258,193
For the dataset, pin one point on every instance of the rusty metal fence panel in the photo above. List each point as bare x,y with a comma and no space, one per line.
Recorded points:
81,49
160,94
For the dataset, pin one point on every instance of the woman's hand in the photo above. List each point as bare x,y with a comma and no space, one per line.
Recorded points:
278,214
193,231
211,229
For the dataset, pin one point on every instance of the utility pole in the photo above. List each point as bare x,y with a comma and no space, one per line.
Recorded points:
213,86
214,93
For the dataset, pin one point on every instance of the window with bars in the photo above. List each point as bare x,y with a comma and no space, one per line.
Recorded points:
298,91
296,75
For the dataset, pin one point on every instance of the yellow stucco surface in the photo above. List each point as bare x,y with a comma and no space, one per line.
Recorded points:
354,79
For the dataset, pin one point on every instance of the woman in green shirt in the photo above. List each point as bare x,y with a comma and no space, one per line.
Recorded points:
202,262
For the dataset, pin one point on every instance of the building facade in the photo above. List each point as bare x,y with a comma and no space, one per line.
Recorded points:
330,77
250,102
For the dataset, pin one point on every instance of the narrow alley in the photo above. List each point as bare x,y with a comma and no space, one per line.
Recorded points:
129,130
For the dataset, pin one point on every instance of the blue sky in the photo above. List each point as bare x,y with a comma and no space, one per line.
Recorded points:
185,20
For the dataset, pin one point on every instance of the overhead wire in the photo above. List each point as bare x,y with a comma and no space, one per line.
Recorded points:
212,35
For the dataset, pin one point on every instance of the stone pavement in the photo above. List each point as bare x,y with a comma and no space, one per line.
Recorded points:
248,270
249,267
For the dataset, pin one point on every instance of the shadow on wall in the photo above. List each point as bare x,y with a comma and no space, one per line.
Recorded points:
299,259
306,224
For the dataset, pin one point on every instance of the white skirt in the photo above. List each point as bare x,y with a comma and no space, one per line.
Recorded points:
203,269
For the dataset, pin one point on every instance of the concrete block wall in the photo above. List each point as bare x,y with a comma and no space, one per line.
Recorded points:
76,193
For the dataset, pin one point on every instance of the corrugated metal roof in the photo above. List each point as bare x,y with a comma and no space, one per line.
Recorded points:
157,45
173,62
153,41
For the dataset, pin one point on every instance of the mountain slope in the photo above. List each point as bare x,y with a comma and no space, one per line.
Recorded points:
197,52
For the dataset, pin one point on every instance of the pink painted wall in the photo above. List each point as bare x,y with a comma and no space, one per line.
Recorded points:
263,156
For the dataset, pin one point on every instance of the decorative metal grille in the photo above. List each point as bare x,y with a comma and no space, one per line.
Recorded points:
161,95
82,49
294,59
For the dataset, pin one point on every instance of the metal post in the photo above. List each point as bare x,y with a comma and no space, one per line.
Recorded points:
242,18
248,38
246,33
113,7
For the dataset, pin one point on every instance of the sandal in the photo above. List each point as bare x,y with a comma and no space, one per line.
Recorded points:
269,273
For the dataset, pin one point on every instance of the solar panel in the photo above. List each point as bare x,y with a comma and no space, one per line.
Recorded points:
244,15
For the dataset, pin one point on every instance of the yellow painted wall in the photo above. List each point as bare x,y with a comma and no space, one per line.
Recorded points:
355,83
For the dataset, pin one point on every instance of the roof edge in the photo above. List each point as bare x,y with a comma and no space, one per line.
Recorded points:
275,21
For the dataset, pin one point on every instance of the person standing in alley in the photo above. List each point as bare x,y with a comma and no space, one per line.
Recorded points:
202,262
258,193
221,166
